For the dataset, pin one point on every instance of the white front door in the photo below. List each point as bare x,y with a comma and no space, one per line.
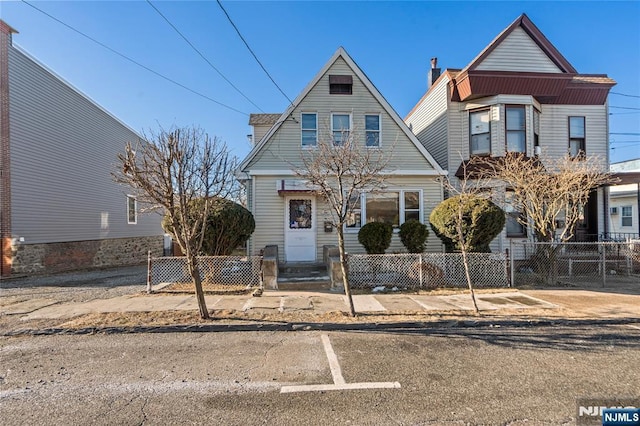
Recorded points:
300,229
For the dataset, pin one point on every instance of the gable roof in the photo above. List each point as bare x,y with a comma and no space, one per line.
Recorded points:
536,35
263,119
341,53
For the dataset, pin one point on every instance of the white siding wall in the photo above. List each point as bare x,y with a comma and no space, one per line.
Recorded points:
518,52
63,149
270,217
554,129
259,132
284,148
429,121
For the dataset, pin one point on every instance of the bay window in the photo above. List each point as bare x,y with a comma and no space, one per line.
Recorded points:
480,129
516,134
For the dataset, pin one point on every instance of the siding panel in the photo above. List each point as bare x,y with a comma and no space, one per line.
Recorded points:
518,52
284,148
63,149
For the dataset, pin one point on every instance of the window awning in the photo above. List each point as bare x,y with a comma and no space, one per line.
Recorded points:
294,186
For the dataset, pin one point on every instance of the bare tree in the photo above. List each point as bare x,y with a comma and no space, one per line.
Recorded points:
551,189
339,171
169,171
548,191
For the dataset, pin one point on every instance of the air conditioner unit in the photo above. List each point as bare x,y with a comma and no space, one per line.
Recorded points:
613,210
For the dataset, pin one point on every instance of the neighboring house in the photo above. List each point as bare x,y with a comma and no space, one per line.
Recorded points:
624,201
60,209
518,95
339,98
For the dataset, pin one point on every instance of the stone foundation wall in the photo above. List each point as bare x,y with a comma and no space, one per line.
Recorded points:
69,256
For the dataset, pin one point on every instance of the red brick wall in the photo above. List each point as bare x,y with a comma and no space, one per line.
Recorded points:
5,159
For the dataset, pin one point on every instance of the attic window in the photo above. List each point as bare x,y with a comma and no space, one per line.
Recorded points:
340,85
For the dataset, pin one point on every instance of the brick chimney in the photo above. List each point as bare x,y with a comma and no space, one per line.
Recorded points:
434,73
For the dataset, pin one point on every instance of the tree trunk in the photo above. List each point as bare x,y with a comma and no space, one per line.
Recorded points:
465,261
344,267
194,271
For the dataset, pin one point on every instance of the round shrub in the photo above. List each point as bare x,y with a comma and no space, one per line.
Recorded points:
413,235
482,221
229,225
375,237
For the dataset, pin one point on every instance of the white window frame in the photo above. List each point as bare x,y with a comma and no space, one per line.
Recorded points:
471,134
628,216
401,206
302,130
135,210
379,131
522,131
348,131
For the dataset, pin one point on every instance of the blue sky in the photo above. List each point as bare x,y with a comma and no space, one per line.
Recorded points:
391,41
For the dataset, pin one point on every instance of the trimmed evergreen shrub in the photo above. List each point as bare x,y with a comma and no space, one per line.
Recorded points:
413,235
375,237
229,225
482,222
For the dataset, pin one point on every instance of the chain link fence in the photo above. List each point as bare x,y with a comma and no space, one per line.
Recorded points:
576,264
427,270
218,273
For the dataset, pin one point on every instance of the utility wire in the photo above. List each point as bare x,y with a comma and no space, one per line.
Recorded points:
252,52
202,55
134,61
625,134
619,107
624,94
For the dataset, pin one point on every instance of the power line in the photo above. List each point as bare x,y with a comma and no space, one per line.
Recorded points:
202,55
624,94
252,52
619,107
134,61
625,134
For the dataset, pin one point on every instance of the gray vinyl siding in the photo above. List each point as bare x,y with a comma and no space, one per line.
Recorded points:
554,129
283,149
270,219
429,123
63,148
518,52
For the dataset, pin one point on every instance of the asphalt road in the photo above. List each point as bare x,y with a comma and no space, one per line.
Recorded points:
449,376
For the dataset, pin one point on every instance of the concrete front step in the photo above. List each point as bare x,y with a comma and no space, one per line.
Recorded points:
305,284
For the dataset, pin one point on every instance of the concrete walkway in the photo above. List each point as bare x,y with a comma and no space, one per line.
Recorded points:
283,302
71,295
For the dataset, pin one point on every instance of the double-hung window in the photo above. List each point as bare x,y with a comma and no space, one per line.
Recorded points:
516,125
132,210
393,207
372,130
577,145
627,216
341,127
309,129
480,129
515,227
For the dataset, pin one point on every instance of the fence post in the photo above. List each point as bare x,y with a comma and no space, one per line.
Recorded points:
149,291
512,274
420,268
603,262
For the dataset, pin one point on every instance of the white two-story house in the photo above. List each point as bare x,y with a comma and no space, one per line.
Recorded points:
340,98
520,94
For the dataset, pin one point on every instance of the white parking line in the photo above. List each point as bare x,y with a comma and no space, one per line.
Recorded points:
336,371
338,380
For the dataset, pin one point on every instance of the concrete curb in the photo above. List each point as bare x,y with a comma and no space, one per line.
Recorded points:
416,326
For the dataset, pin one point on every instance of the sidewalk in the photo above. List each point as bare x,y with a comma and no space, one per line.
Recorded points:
113,296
